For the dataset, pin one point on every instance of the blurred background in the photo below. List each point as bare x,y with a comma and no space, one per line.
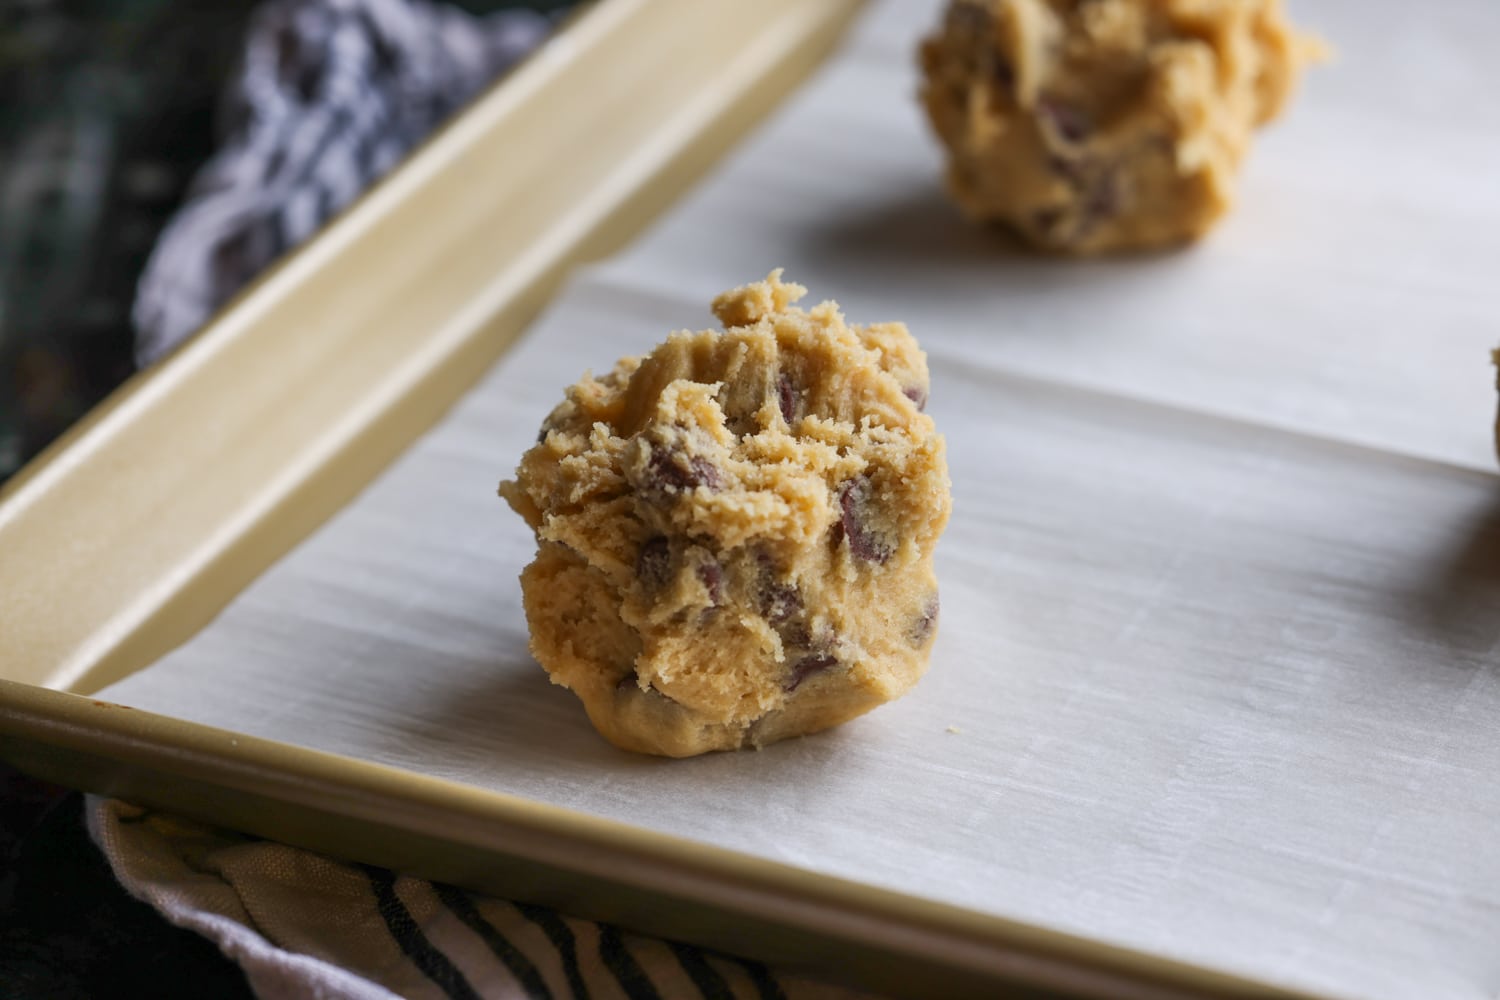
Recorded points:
108,111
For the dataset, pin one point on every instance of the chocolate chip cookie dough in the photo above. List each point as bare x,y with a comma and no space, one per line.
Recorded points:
735,533
1098,125
1495,360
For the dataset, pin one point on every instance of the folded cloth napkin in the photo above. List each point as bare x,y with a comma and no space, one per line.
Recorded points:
305,926
331,94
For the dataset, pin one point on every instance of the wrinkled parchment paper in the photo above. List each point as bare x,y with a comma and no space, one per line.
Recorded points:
1218,674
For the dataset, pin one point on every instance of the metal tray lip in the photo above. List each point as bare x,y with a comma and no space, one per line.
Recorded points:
315,778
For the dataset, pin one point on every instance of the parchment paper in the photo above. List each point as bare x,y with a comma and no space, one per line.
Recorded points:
1217,672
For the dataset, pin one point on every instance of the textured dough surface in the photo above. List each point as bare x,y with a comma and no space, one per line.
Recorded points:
1097,125
1495,360
735,533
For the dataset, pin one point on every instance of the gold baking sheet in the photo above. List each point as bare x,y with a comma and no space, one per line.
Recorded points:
132,532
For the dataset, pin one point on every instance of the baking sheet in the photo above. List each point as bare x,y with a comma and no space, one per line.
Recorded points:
1219,639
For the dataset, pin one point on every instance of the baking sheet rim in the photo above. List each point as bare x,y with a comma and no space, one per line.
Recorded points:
596,847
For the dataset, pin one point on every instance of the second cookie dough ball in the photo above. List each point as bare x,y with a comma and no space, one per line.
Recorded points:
1097,125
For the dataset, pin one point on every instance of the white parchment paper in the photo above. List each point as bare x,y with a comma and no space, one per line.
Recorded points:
1218,675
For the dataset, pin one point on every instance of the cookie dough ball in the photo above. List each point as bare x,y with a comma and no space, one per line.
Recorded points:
735,533
1097,125
1495,360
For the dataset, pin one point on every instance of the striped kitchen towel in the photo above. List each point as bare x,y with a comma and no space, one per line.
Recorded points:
330,95
305,926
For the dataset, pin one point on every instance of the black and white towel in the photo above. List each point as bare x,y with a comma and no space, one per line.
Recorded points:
304,926
330,96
